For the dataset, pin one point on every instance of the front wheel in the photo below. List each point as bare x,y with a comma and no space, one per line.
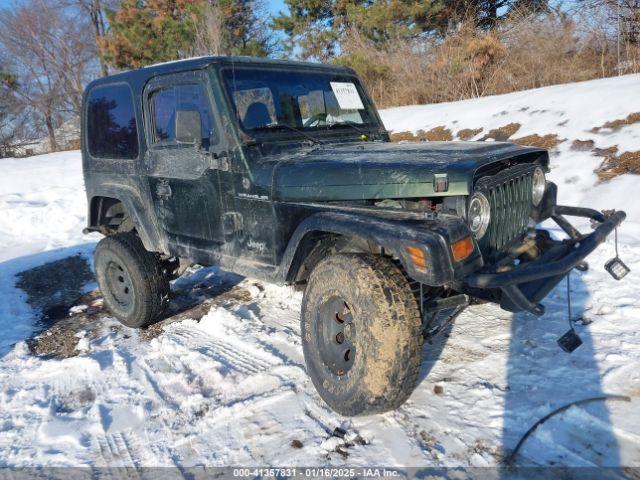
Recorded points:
361,334
133,283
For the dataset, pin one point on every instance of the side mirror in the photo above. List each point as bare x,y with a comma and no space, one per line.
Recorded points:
188,127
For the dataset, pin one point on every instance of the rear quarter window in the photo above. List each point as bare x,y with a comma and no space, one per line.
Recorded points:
112,131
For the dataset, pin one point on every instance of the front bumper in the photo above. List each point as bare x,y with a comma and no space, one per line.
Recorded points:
522,288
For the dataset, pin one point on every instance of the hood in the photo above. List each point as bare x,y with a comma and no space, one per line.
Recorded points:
358,171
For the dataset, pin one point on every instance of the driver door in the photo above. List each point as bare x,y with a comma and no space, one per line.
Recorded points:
182,160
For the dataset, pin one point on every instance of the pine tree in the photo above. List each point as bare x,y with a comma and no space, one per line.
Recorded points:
142,32
145,32
317,27
245,33
485,14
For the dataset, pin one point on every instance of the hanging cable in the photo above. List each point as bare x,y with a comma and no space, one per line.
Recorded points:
513,454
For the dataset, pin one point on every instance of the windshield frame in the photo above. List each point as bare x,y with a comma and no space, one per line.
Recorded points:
322,131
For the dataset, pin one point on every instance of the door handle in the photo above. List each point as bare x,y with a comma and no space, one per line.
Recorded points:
163,190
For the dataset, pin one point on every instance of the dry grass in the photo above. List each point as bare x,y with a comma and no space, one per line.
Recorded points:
522,53
627,162
400,136
546,141
618,124
502,134
582,145
605,152
468,133
436,134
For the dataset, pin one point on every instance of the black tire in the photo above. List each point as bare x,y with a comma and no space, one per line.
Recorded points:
133,284
373,365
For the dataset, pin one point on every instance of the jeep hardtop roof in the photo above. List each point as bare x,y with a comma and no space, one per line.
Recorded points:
142,75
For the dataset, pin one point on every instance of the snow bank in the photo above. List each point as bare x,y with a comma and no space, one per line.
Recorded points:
569,111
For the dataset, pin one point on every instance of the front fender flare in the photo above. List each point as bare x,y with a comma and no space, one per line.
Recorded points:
433,236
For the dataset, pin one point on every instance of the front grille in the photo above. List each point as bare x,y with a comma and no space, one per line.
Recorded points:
509,193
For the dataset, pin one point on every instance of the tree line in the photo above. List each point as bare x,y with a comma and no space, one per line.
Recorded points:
406,51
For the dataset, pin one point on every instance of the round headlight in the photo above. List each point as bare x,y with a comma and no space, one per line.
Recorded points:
539,186
478,214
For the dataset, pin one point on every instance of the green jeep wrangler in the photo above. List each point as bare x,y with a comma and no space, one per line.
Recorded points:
283,171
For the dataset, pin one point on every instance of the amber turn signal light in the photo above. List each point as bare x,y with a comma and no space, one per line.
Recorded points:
417,257
462,249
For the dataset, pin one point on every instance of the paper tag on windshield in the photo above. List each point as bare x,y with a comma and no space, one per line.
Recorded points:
347,95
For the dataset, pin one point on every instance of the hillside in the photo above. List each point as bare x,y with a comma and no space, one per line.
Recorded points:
585,125
225,383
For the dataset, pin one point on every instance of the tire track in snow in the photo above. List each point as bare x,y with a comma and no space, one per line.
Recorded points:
229,355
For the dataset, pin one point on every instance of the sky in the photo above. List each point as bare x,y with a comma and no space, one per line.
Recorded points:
275,5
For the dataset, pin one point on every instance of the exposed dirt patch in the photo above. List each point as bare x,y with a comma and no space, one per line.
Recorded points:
502,134
627,162
436,134
468,133
546,141
618,124
82,320
400,136
67,316
582,145
53,288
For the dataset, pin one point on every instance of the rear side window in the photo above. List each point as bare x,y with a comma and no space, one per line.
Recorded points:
187,97
111,123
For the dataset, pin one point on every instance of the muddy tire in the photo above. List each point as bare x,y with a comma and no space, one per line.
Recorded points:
361,334
132,280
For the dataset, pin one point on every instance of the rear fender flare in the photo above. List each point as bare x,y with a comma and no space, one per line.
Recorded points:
135,206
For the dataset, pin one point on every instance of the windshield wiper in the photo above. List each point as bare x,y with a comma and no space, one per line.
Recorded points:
275,126
351,124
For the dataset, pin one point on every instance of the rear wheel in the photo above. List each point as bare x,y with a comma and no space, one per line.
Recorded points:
132,280
362,334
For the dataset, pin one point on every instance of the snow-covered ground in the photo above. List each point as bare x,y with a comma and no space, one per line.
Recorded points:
231,388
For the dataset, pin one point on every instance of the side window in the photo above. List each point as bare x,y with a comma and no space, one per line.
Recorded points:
111,123
165,102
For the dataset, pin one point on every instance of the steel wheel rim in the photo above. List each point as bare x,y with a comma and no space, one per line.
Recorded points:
119,285
336,334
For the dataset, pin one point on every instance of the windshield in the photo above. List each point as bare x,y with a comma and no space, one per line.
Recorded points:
267,99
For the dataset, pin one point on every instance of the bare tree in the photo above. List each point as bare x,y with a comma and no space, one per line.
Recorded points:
238,27
94,10
15,121
209,32
50,50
